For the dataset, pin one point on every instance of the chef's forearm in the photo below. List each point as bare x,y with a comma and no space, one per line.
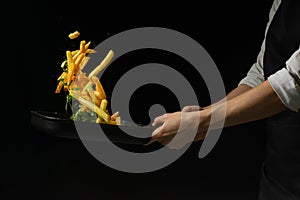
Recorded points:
235,92
254,104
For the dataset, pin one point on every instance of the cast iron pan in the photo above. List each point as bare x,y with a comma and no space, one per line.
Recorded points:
60,125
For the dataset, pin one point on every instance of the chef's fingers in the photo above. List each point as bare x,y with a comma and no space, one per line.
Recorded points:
160,120
163,131
157,132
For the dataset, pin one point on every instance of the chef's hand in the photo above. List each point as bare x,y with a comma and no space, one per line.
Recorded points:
168,126
201,134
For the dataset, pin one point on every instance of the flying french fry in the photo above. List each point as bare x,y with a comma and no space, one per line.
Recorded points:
103,64
115,115
103,104
74,35
94,108
78,62
84,62
99,87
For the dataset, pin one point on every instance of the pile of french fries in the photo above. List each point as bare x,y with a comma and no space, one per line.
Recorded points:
86,89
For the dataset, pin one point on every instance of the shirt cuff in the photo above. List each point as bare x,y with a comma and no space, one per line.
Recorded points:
293,66
287,88
251,82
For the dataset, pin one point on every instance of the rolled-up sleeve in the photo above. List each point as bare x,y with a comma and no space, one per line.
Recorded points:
255,75
286,82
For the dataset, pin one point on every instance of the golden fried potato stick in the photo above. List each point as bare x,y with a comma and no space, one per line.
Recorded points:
103,104
97,95
97,98
61,79
62,76
103,64
100,67
92,107
90,51
71,66
86,46
82,46
81,49
115,116
118,120
59,87
74,52
69,57
78,62
82,80
79,58
99,87
74,35
84,62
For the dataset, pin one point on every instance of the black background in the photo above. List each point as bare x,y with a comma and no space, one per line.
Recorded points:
43,167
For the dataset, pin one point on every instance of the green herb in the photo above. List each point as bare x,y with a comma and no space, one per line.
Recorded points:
87,116
68,102
64,65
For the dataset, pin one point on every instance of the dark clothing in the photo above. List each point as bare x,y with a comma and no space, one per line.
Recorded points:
281,170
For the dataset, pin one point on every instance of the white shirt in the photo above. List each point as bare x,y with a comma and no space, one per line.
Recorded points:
286,81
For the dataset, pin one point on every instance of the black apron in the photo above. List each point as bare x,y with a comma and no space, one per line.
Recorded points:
281,169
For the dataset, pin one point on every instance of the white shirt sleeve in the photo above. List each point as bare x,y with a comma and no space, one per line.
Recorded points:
286,82
255,75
